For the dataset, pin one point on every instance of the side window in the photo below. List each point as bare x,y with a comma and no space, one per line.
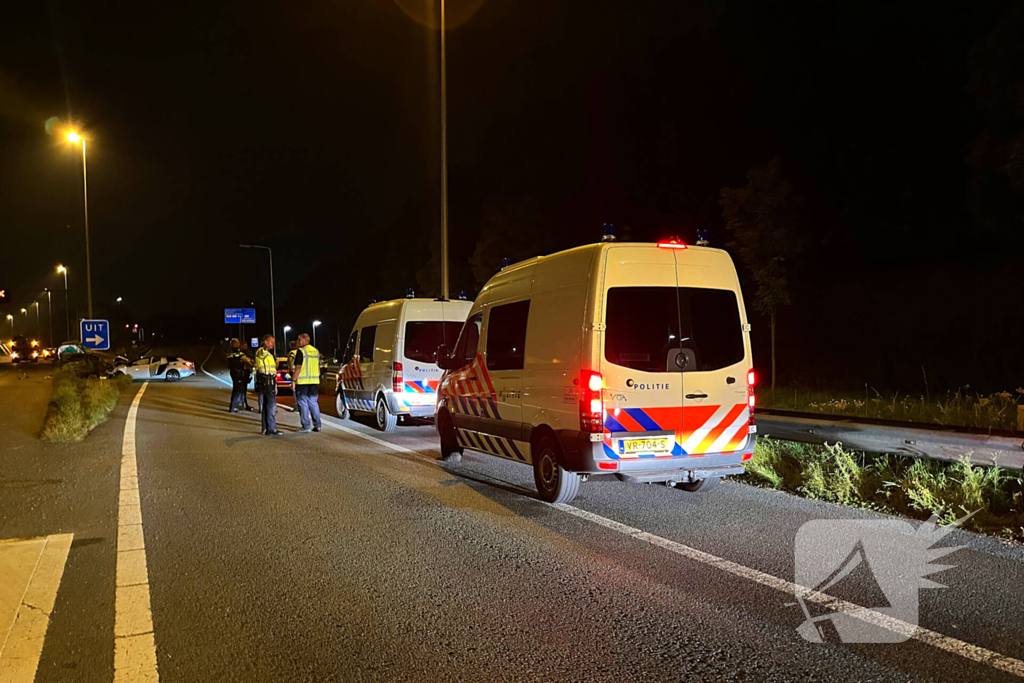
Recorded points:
506,336
366,342
350,347
469,340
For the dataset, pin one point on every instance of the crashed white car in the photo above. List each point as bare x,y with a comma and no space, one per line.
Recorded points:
169,369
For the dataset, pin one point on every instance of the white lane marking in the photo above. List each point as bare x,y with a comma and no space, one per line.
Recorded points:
380,442
918,633
134,645
929,637
23,642
210,374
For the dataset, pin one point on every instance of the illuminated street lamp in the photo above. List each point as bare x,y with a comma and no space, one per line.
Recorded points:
11,319
38,331
316,323
287,329
74,138
67,311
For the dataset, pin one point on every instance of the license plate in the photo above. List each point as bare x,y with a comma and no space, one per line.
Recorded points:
656,444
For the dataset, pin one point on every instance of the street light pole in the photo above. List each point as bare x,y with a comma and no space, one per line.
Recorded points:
270,253
11,318
75,137
316,324
287,329
67,310
38,331
444,163
49,315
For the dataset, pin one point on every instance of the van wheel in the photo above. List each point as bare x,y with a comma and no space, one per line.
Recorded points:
386,422
555,484
701,485
450,449
340,406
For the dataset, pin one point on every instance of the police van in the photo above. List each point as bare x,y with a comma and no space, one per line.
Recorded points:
389,364
630,359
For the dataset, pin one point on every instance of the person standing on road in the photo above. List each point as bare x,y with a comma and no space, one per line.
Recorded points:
240,367
306,383
293,347
266,385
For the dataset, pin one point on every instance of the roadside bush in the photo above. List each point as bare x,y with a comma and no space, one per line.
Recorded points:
79,404
893,484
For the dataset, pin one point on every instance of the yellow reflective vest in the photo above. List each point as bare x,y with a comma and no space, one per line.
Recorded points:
266,363
309,373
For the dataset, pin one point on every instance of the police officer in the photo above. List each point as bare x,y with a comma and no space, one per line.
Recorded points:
306,383
240,367
293,347
266,386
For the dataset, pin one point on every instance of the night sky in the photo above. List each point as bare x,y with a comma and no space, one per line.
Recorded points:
313,127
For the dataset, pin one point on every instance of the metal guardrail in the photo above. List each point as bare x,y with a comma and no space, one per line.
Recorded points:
985,447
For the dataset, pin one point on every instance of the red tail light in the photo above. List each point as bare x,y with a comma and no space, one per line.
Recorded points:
671,244
591,402
608,465
751,399
396,378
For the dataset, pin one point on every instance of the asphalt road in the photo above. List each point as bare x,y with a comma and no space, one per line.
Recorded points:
354,555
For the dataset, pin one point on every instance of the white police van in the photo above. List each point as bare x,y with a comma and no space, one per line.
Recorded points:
389,364
630,359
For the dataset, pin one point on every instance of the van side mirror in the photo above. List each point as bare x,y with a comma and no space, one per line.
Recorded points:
444,358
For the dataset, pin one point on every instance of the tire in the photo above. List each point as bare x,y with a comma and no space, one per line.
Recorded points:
172,376
341,407
386,422
701,485
450,449
554,483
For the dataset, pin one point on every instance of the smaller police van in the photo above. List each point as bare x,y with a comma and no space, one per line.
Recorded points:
624,359
389,366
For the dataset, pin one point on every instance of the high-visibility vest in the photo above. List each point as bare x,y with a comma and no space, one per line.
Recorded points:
291,359
309,373
265,362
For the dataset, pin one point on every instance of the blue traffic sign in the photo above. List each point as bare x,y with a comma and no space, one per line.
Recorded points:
95,334
240,316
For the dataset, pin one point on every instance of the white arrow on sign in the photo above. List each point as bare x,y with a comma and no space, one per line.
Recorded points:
94,340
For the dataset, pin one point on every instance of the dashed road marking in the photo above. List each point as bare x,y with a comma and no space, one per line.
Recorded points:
134,645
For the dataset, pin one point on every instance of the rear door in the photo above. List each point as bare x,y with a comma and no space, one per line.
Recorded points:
420,373
643,382
716,416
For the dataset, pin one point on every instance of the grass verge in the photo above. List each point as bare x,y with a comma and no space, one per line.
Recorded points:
961,407
895,484
79,404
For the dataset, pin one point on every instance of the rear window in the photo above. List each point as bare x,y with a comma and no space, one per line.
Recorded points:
647,325
422,337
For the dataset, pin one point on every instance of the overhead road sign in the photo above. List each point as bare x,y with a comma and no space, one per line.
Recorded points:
95,334
240,316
